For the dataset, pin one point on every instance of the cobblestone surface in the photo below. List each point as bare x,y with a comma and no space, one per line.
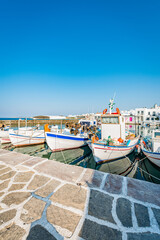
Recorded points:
142,215
42,199
100,206
123,209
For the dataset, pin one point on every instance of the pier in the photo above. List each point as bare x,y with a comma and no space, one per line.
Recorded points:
45,199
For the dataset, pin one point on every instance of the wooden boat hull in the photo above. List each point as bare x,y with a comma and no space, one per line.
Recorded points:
103,153
59,141
5,140
25,138
4,134
154,157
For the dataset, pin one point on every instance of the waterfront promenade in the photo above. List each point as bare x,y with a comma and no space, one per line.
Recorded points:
43,199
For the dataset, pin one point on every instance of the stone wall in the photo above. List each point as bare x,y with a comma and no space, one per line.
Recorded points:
44,199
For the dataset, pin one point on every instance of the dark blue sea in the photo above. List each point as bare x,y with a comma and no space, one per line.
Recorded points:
15,119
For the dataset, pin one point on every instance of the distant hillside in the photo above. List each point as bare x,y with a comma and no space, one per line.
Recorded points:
41,117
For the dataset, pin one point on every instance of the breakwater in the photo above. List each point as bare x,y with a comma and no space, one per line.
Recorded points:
34,122
42,199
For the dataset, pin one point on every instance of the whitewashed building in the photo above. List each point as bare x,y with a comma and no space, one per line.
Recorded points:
143,115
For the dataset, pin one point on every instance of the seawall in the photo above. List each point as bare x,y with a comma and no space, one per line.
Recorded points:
44,199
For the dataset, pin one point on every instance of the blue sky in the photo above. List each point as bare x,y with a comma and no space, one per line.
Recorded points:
69,57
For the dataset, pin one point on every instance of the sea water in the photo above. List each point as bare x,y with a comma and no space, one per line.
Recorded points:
83,157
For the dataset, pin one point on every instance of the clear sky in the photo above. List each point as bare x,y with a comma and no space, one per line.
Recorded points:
69,57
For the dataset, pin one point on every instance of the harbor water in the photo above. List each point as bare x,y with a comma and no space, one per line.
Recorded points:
134,165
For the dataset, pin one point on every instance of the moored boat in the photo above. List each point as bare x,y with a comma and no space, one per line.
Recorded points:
113,144
151,149
26,136
59,140
4,134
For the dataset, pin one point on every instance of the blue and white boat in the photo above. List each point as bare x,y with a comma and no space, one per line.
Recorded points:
59,140
26,136
151,149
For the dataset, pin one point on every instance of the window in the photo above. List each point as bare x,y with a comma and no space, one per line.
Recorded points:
147,119
154,114
152,119
157,134
149,113
142,112
113,120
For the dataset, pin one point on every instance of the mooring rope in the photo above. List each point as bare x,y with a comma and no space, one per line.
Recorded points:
149,174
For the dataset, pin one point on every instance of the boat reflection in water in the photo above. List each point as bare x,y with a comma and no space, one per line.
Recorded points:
83,157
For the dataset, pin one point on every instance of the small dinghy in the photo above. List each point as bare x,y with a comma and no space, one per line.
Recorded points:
152,148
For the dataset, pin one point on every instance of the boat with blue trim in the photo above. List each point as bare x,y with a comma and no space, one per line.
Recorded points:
26,136
59,140
151,148
113,144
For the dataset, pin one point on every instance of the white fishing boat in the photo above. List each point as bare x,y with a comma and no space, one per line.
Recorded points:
4,135
26,136
152,148
113,144
63,139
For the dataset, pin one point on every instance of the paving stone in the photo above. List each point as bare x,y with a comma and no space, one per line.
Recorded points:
100,206
94,231
34,161
3,151
71,196
63,218
7,175
32,210
157,215
144,191
37,182
142,215
92,178
4,185
23,176
113,184
7,216
7,169
48,188
13,232
16,187
60,170
143,236
14,158
123,210
39,233
22,168
15,198
1,194
2,166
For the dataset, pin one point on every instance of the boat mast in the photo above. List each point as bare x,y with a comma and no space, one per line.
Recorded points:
111,104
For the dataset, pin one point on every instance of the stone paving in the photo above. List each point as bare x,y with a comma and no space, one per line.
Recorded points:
42,199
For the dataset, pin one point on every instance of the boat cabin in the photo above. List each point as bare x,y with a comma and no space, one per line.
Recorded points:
88,123
112,125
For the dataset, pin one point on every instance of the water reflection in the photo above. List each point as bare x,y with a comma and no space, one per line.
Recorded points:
127,166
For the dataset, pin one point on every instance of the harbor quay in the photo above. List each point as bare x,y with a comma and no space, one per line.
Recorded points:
45,199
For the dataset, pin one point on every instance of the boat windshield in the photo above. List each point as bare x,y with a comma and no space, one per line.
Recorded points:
113,120
85,123
157,134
